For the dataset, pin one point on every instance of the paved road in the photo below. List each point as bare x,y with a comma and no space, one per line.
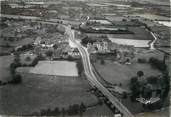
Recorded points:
92,78
40,19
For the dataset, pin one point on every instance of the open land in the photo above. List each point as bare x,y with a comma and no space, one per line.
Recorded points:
42,92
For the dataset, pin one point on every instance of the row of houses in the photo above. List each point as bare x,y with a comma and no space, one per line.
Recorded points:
60,49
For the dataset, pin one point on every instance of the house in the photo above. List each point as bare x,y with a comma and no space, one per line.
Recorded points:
37,41
125,53
75,53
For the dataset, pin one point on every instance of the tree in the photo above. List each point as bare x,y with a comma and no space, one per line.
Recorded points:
56,112
166,84
79,67
55,46
134,80
124,95
17,59
147,91
141,60
16,79
135,88
102,62
73,110
63,112
49,53
124,20
82,108
12,68
140,73
35,61
70,58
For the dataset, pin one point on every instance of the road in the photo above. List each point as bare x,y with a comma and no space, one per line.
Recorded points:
40,19
92,78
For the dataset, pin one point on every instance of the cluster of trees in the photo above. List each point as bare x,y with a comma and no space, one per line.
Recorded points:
49,53
87,40
75,109
16,78
142,60
25,47
155,63
138,88
135,88
159,64
165,80
4,53
145,89
51,29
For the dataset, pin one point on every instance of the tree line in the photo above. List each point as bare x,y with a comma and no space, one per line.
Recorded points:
72,110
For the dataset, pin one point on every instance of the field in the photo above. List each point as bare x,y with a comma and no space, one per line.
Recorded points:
42,92
140,38
5,62
60,68
133,42
139,34
146,54
152,17
114,72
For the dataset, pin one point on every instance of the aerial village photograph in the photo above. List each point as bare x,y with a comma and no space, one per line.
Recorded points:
85,58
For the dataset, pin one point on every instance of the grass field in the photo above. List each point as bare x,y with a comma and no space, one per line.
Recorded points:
114,72
43,92
146,54
60,68
5,62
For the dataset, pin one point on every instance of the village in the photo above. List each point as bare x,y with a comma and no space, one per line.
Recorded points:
84,58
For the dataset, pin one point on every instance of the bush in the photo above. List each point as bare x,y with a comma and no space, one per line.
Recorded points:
141,60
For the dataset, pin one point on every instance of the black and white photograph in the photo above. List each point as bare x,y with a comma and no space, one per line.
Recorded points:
85,58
